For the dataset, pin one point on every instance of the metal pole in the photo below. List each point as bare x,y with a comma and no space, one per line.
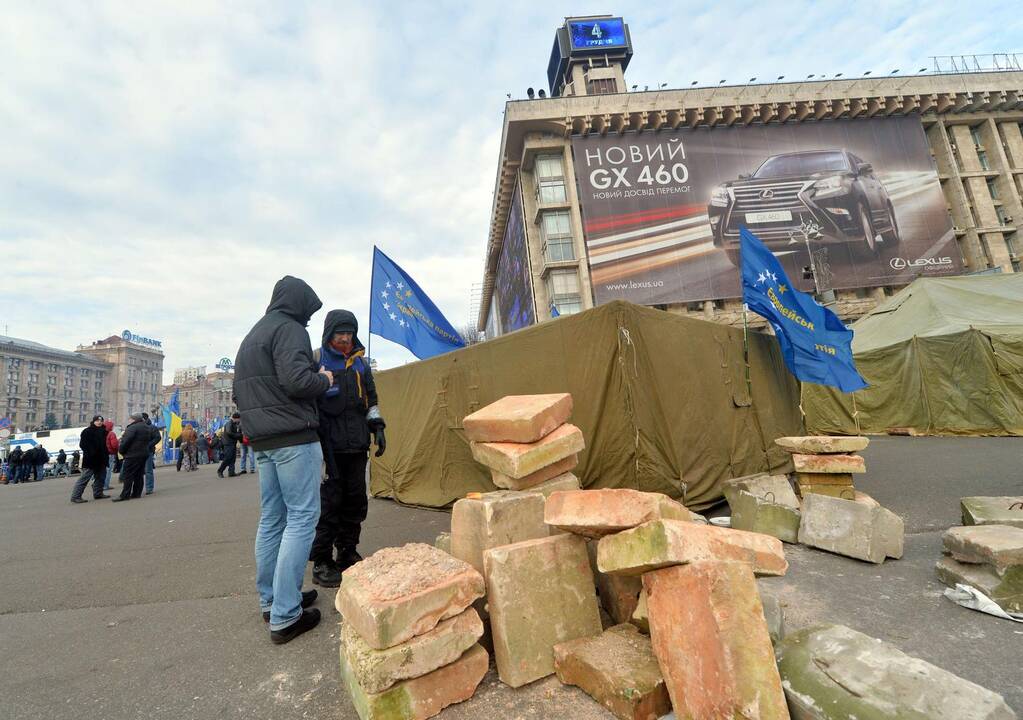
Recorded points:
745,348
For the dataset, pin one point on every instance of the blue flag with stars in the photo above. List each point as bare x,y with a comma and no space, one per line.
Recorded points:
401,312
816,346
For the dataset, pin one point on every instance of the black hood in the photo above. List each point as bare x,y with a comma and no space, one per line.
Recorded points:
293,297
341,321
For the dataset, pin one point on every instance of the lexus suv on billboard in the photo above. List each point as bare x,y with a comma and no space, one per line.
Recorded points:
834,189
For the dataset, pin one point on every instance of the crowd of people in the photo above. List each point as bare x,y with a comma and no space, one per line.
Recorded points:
197,448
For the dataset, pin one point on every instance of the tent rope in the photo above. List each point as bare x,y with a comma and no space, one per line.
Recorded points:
856,414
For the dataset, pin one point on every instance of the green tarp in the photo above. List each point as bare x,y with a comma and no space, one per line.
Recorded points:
943,357
661,399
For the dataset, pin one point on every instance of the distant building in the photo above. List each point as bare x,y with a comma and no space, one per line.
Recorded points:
189,374
137,373
205,398
41,380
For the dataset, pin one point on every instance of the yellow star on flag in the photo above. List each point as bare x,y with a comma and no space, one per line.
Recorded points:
782,288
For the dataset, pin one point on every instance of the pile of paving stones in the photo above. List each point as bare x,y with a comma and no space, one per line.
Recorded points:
831,514
626,594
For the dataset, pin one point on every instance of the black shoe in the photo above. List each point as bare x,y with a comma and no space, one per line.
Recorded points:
119,499
230,474
308,598
347,557
306,621
326,574
220,474
243,472
101,496
78,500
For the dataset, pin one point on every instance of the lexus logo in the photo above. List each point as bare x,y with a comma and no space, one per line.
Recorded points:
766,194
898,263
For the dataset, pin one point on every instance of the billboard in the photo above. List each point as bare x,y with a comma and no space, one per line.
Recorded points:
662,211
514,289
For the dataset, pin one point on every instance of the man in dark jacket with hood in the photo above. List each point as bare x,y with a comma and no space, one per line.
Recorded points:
229,442
93,443
14,465
276,383
348,413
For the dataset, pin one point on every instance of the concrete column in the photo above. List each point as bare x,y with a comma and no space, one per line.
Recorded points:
575,215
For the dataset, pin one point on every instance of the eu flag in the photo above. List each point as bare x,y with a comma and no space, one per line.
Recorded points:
401,312
816,346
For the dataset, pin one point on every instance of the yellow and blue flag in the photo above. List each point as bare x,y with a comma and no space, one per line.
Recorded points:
816,346
401,312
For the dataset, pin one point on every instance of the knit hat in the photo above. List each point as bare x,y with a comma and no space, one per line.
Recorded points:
97,417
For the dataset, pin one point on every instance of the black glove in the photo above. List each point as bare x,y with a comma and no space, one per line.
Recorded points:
381,441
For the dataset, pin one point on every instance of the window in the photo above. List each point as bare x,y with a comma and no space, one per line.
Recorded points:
557,237
563,291
992,188
1003,218
602,86
982,157
975,134
550,179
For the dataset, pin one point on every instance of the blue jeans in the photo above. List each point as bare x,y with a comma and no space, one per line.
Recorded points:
150,472
248,458
111,461
289,489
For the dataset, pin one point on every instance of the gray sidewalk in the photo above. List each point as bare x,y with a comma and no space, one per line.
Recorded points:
146,609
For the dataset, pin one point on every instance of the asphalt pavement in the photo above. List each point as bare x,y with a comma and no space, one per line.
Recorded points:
147,609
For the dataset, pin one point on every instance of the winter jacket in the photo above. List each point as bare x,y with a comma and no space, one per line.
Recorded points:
135,442
203,443
111,437
61,457
345,408
15,457
188,435
94,448
276,382
232,433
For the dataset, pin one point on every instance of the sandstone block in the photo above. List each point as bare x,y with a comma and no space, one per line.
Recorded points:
824,479
619,595
708,632
663,543
595,513
422,697
828,464
774,616
493,519
398,593
565,481
846,492
640,618
518,418
859,529
1006,590
540,593
377,670
443,542
759,515
1000,546
518,460
993,510
823,444
538,478
773,488
832,672
617,669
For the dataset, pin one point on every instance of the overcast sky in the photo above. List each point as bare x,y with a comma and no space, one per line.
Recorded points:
163,164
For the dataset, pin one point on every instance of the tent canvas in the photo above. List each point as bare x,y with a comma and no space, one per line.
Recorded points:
661,399
943,357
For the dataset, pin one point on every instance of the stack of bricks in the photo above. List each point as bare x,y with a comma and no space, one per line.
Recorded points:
825,464
409,640
691,587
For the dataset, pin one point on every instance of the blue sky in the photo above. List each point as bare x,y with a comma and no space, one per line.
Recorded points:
163,164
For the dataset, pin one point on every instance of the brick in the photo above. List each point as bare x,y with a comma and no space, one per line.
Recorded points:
540,593
774,488
1006,590
755,514
518,418
823,444
618,669
833,672
443,542
663,543
517,460
538,478
829,464
824,479
1000,546
398,593
595,513
492,519
993,510
711,641
377,670
422,697
860,529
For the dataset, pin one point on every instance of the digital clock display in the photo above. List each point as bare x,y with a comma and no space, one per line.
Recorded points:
596,34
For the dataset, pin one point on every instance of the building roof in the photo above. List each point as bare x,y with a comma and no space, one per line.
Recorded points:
30,346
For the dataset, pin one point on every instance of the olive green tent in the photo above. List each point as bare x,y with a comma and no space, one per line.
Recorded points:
661,399
943,357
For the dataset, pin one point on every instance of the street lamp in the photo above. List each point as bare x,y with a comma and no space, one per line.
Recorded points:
819,271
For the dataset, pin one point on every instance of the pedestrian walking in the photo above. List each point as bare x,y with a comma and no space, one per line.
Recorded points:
202,449
111,453
155,438
216,448
348,414
248,456
14,465
229,443
276,384
188,440
61,468
135,448
76,462
93,443
179,452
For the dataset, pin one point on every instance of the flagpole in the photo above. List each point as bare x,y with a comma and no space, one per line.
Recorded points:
745,349
372,284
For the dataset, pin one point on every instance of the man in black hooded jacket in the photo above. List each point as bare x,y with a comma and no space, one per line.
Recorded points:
276,383
348,413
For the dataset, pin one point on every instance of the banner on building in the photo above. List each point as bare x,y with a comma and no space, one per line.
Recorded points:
662,210
514,289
